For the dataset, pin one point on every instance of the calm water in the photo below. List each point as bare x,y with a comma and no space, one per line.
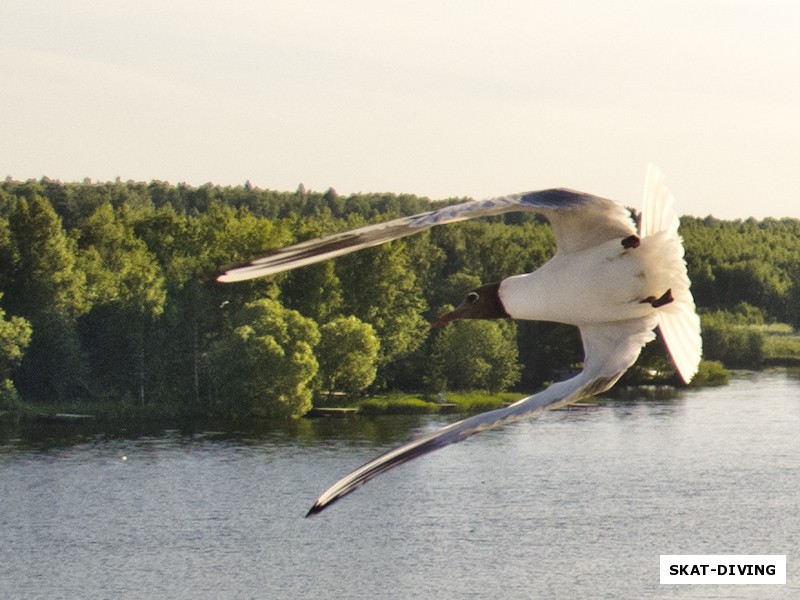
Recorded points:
572,505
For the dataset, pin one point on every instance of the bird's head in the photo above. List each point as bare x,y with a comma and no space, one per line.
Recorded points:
481,303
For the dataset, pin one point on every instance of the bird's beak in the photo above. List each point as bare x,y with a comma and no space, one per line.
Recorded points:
447,317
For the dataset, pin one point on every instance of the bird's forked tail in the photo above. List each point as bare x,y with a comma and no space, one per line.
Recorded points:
678,323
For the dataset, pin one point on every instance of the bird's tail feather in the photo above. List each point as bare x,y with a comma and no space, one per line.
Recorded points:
678,321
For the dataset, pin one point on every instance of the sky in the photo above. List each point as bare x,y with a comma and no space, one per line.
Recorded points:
457,98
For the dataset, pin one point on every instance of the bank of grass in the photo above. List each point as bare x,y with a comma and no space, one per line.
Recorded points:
121,411
781,345
396,404
781,348
453,402
743,344
711,373
481,401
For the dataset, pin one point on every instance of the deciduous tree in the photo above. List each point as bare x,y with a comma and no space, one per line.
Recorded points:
15,335
264,362
347,355
475,354
127,293
45,286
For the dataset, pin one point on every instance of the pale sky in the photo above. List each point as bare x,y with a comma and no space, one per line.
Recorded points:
434,98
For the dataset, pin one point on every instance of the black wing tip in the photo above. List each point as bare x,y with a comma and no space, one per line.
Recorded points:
316,509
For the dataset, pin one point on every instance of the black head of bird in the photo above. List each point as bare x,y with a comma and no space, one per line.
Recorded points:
481,303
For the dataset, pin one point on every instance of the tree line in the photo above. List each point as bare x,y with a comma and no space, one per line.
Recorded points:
109,295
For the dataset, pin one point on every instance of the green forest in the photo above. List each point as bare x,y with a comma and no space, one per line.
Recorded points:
109,297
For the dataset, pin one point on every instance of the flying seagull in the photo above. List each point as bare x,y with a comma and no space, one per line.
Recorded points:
614,282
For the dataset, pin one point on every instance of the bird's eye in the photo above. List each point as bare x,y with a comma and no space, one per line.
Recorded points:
472,297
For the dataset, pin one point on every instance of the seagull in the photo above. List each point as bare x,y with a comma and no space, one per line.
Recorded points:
615,282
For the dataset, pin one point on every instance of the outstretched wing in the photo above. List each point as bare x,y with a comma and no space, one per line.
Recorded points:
579,221
610,350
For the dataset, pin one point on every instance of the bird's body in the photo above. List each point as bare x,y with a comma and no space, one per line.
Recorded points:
615,282
601,284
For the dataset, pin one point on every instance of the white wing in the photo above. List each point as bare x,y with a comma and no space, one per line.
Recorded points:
610,349
579,221
679,323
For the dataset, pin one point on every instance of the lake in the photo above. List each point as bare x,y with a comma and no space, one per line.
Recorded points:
576,504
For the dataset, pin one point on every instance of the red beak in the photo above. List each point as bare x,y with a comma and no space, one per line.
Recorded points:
446,318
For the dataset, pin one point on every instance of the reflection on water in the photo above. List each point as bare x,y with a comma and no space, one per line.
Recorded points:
41,435
574,504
